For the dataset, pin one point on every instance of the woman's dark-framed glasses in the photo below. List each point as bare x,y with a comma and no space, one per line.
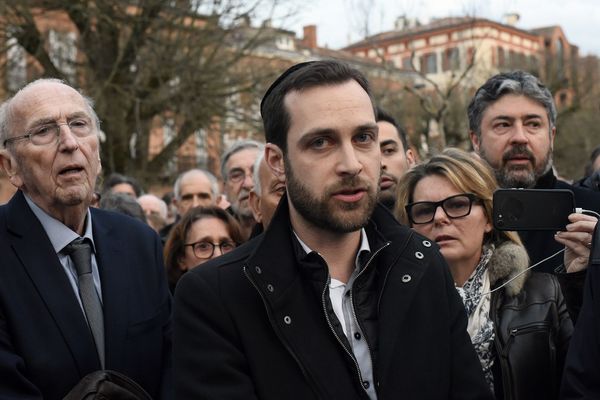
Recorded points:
457,206
204,249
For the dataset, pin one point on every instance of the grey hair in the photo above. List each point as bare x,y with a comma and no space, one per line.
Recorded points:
256,173
515,82
161,203
236,147
214,184
5,108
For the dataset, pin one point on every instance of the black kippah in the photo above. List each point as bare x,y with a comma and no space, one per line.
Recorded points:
287,72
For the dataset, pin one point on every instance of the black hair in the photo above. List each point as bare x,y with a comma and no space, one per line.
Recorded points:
381,115
516,82
276,119
124,204
116,179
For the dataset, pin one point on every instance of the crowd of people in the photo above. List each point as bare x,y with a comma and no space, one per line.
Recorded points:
327,262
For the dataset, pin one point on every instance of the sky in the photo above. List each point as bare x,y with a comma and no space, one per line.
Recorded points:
340,22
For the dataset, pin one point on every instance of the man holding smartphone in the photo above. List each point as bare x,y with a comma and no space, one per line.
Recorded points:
512,123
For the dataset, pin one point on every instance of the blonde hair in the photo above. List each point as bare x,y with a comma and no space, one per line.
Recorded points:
467,172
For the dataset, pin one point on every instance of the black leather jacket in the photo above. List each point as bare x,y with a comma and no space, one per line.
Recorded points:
532,329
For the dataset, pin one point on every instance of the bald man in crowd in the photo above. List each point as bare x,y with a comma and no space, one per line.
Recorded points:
266,193
81,289
193,188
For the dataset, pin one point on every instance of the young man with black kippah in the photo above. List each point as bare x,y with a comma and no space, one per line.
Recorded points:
335,300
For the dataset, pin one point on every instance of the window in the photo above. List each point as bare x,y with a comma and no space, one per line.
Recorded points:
501,57
451,60
429,63
406,63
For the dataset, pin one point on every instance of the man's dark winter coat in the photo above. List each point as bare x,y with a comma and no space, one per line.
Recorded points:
255,323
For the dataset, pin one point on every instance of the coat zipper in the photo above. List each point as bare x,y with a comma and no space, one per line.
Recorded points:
354,309
335,334
350,354
283,341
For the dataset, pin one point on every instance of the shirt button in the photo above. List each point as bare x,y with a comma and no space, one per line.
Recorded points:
357,335
366,384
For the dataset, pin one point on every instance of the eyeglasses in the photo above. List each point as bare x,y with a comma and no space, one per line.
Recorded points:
46,134
204,249
457,206
237,175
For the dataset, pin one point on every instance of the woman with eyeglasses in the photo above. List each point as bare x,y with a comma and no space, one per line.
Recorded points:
517,320
202,234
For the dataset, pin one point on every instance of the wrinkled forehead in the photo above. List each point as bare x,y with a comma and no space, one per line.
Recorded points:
46,100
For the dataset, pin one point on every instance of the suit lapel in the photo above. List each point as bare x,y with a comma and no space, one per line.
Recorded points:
32,246
115,279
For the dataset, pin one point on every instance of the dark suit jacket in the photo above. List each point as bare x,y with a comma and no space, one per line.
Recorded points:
581,378
45,344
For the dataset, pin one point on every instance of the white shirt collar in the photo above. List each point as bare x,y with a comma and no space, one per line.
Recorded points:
59,234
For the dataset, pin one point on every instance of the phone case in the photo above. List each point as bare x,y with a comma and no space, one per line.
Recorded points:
532,209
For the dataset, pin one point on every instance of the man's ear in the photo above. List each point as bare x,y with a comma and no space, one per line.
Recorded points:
254,202
275,161
11,167
552,136
475,141
410,158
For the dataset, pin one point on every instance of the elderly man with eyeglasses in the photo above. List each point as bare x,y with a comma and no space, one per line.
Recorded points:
237,164
81,289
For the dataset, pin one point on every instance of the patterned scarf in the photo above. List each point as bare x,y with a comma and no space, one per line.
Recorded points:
477,305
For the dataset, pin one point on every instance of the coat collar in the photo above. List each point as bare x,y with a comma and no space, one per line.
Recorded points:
509,260
278,252
546,181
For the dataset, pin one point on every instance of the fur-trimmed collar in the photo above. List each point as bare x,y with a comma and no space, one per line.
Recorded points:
508,260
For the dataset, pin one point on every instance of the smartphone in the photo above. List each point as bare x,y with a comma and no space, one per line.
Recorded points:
532,209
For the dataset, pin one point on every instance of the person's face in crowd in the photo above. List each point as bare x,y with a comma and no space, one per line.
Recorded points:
395,161
460,239
516,140
124,188
152,205
62,173
238,180
333,164
271,191
202,235
195,191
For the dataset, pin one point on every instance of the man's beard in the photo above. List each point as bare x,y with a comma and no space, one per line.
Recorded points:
243,212
518,176
327,213
387,197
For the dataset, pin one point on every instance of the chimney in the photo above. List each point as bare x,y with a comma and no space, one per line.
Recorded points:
310,36
511,19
